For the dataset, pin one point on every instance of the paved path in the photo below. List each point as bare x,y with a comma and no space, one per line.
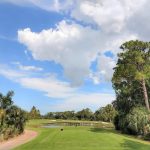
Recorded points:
19,140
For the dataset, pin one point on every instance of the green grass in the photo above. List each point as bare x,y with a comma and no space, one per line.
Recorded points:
80,138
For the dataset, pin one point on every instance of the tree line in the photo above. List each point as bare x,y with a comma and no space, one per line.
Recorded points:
106,114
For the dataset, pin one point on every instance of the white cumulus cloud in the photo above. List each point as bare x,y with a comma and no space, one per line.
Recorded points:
71,45
109,15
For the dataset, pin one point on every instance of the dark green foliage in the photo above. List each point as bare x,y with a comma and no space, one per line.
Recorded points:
147,137
15,117
135,122
116,122
85,114
106,113
138,121
103,114
6,101
49,115
60,115
132,75
12,118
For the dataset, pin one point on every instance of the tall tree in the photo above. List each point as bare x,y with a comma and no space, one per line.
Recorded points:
34,113
133,66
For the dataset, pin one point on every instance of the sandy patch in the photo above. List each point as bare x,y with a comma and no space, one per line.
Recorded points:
19,140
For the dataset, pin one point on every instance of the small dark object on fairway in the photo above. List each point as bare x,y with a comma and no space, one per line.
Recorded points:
61,129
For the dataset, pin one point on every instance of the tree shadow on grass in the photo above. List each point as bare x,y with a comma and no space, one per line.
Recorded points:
127,143
103,130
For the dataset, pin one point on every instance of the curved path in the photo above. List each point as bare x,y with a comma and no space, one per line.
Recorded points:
19,140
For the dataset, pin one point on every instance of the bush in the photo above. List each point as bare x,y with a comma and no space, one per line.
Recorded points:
106,113
136,122
12,118
147,137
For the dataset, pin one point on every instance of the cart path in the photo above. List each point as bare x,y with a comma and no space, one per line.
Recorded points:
19,140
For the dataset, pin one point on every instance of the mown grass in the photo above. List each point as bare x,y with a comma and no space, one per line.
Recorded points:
80,138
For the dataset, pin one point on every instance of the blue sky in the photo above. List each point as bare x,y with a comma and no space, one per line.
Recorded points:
58,55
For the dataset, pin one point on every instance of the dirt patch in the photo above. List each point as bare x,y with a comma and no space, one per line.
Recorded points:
19,140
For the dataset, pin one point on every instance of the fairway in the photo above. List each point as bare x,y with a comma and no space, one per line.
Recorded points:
82,138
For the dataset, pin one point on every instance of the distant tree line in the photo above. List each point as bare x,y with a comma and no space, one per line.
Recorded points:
12,118
131,81
103,114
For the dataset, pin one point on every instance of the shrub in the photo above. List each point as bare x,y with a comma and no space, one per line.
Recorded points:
147,137
136,122
12,118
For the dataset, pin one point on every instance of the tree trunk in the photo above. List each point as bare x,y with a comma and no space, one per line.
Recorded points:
145,95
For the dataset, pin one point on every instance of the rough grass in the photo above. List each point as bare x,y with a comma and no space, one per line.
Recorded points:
80,138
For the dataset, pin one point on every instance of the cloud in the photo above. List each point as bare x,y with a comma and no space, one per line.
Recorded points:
10,73
104,70
82,100
71,45
109,15
105,67
27,68
140,22
71,98
2,37
107,24
48,84
48,5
